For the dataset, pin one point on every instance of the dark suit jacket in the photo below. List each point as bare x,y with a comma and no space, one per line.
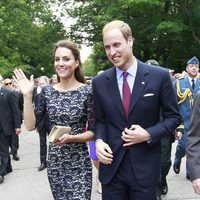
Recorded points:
9,111
20,102
193,141
44,122
152,93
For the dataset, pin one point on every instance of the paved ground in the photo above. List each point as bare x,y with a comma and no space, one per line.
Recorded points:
26,183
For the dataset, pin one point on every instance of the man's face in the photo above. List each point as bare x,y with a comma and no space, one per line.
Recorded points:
8,83
54,79
42,83
117,48
192,70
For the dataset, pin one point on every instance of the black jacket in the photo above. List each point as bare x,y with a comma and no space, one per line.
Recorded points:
10,117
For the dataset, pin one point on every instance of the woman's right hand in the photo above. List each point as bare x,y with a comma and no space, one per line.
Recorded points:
26,86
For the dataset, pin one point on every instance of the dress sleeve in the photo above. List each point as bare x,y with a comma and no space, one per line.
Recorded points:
90,111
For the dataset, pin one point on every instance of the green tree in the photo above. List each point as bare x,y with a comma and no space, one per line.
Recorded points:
165,30
27,34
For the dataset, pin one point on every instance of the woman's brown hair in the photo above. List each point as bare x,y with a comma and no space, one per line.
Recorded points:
76,53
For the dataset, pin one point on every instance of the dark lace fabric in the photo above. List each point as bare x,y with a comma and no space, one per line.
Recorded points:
69,166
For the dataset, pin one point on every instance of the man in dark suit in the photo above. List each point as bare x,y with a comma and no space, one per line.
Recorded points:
193,145
10,123
15,138
166,147
129,99
42,125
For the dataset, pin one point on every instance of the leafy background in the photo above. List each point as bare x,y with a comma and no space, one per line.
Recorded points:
165,30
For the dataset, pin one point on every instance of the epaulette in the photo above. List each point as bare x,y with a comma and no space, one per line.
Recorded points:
180,128
181,77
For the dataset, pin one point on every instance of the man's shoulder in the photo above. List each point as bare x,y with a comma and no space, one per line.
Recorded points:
182,79
153,68
103,75
7,91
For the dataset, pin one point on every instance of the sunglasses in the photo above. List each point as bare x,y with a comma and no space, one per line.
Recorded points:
8,83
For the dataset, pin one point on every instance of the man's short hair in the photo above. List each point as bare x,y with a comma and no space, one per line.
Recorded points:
121,25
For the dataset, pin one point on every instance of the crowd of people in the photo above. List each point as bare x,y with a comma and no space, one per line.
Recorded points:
125,114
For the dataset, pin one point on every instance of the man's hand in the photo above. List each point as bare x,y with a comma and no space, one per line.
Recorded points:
134,135
196,185
17,131
104,152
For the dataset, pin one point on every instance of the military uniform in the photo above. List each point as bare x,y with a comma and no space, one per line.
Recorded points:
185,94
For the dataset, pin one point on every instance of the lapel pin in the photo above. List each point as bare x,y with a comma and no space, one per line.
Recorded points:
143,83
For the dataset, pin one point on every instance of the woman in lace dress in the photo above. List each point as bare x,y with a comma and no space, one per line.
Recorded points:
68,103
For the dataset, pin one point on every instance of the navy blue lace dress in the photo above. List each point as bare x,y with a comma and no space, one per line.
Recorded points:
69,166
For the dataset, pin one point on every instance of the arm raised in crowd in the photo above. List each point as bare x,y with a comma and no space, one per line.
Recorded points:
26,87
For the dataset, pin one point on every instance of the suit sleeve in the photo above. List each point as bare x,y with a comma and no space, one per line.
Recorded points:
193,141
169,110
14,110
100,117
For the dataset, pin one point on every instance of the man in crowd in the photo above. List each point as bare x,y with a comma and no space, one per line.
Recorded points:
54,79
128,103
193,146
186,89
43,125
15,138
166,148
10,123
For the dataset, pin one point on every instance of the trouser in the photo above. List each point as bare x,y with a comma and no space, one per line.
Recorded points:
124,185
14,143
166,147
43,144
4,152
181,150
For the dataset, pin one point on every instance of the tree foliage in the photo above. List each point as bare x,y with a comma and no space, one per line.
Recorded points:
165,30
27,34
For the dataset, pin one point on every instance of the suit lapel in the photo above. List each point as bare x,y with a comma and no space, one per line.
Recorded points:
140,81
113,90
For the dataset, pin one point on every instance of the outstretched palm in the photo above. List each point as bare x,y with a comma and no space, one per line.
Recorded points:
26,86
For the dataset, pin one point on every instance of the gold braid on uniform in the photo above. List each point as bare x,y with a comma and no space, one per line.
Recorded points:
184,95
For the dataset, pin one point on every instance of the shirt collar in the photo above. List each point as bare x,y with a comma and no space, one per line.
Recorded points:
190,79
131,70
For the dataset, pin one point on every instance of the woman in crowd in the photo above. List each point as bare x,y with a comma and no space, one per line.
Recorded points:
68,103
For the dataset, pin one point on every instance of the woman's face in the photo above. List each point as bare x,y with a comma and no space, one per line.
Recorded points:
64,63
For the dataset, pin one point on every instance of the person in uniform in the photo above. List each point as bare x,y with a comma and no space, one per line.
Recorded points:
166,148
186,89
